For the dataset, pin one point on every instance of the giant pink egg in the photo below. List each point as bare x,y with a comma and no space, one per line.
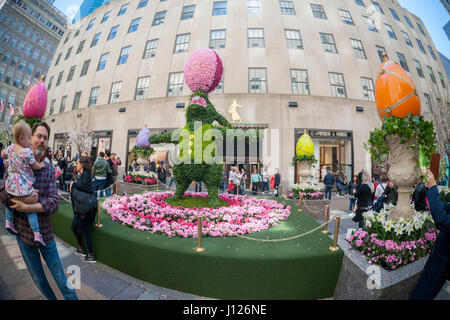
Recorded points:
35,102
203,70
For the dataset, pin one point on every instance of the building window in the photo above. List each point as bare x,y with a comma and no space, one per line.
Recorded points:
408,22
358,49
255,38
219,88
49,83
318,11
76,100
52,107
159,18
80,47
60,75
91,23
431,73
217,39
253,6
431,52
370,24
93,97
402,59
419,68
441,77
21,46
115,92
360,3
30,68
182,43
43,58
257,80
150,48
368,89
68,53
378,7
142,88
28,50
419,43
85,67
22,65
390,31
142,3
293,39
328,42
346,17
102,61
427,103
62,107
219,8
394,14
337,85
175,86
106,16
299,82
113,32
6,57
188,12
35,54
420,28
287,8
134,25
71,72
123,9
95,40
407,39
124,53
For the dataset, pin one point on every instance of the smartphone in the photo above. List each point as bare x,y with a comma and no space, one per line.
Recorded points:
434,166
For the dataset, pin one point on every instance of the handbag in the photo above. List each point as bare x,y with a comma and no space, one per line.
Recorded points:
83,202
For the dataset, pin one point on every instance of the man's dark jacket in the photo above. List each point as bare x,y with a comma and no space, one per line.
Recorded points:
328,180
437,268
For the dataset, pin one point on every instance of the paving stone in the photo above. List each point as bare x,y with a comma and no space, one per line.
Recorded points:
87,293
148,296
24,290
11,274
129,293
102,282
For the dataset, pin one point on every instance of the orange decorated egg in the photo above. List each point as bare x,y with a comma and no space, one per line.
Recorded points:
395,92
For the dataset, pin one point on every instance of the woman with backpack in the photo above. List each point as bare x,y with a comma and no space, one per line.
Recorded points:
83,218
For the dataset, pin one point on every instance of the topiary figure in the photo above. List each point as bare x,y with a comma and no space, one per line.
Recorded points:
202,74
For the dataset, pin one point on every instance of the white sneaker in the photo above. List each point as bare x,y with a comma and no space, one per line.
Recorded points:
351,214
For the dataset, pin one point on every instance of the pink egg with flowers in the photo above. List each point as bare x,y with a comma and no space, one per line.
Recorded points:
35,102
203,70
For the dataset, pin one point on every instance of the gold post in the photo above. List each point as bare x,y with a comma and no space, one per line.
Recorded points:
335,247
98,215
299,201
327,217
117,187
157,184
199,237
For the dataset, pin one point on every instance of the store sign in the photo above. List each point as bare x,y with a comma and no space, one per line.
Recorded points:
326,133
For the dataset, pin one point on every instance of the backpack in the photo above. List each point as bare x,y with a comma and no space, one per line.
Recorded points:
381,200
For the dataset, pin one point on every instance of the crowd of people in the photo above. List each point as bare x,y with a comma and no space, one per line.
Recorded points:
235,182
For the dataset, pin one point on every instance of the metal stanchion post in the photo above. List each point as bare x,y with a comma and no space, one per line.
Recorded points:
157,184
98,215
335,247
327,217
299,201
199,237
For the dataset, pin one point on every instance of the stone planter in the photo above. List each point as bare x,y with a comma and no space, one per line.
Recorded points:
359,280
305,170
401,162
141,162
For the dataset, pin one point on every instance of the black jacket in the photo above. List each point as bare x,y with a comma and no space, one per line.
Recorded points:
392,195
62,164
364,196
437,268
329,179
277,179
350,187
418,197
84,182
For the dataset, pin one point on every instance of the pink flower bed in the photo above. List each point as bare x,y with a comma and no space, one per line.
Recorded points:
391,254
244,215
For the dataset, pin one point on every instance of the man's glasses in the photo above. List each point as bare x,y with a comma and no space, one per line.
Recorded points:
40,136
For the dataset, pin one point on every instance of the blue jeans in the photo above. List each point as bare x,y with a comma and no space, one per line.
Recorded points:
352,204
198,186
99,185
328,190
49,252
265,186
108,190
32,219
172,181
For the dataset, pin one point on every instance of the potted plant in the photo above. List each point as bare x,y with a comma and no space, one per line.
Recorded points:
405,143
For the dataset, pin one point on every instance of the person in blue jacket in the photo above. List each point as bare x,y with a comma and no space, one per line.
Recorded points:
328,181
437,268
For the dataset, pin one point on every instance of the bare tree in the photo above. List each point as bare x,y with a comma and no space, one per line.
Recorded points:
81,135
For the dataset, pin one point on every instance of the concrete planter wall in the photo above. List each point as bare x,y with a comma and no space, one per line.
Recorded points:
315,208
357,278
131,188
